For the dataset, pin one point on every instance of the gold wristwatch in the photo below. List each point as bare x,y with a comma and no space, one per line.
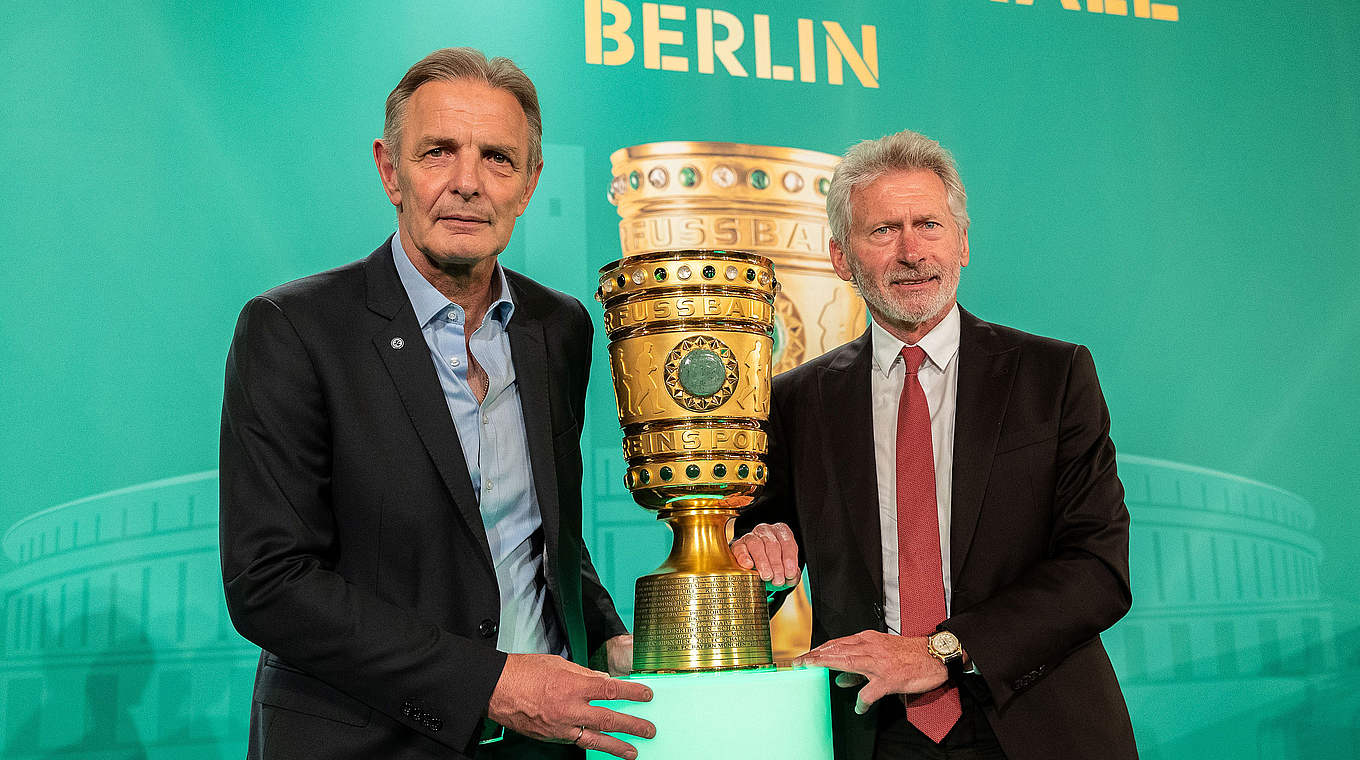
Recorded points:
944,646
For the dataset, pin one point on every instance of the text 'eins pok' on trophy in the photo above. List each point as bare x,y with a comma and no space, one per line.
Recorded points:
690,336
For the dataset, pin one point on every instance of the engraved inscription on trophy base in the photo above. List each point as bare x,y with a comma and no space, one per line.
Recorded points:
691,622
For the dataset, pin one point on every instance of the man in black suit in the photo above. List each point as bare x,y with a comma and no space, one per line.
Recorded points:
952,486
401,467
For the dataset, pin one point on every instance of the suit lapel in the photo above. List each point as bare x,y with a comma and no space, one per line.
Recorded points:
986,370
529,354
403,349
844,387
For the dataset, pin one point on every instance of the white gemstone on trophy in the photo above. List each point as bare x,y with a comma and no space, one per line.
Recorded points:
638,277
793,181
731,273
725,176
658,177
683,272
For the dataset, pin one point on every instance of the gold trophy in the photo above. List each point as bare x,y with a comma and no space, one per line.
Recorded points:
690,336
696,330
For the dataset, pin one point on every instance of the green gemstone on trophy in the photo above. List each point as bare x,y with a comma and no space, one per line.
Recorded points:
645,477
692,471
688,176
634,180
660,274
823,185
702,373
759,179
666,473
743,471
710,272
719,470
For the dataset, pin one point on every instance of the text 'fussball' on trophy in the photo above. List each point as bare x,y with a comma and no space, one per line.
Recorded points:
690,340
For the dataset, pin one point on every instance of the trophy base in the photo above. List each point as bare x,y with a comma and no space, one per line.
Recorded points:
700,610
784,713
689,622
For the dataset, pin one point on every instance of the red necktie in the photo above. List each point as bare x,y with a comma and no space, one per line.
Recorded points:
920,582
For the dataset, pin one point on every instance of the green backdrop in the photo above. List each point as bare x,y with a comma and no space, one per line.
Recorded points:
1177,195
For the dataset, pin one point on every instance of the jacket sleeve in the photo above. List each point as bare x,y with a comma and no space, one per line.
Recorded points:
776,501
280,546
1081,586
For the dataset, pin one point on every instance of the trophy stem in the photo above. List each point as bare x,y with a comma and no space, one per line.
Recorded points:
700,610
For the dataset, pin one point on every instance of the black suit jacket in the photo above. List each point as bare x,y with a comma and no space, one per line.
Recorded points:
1038,532
353,551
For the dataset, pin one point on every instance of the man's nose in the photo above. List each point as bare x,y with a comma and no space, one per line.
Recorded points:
465,175
909,250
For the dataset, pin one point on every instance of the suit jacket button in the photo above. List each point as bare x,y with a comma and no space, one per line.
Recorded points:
488,628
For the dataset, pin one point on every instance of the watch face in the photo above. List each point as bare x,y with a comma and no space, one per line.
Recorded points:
945,643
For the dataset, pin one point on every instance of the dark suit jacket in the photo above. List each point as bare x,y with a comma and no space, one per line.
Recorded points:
353,551
1038,534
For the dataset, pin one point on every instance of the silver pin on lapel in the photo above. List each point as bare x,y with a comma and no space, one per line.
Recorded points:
398,343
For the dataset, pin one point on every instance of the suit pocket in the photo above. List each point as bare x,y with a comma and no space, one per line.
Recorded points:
1012,440
280,685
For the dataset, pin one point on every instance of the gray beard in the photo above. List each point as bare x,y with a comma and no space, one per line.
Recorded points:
874,294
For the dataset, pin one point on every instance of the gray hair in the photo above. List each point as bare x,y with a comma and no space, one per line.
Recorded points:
868,160
450,64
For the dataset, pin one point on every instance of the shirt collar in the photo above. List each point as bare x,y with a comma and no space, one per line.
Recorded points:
941,344
429,303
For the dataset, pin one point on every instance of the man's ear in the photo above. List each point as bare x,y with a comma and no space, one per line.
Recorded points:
529,188
386,162
838,261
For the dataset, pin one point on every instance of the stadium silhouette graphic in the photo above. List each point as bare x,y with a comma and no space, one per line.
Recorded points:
117,643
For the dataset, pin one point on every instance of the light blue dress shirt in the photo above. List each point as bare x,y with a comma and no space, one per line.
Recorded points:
496,449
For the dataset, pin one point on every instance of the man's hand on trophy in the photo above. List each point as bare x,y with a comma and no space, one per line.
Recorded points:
884,662
771,551
545,697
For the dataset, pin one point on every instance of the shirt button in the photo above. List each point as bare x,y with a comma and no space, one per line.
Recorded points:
487,628
486,419
490,485
453,361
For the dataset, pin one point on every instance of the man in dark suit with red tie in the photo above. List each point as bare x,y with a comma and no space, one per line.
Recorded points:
951,485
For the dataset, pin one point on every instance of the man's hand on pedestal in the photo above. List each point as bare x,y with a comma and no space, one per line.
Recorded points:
771,551
545,697
885,663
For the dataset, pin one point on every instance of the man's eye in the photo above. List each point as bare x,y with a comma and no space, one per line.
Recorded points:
435,152
931,225
499,158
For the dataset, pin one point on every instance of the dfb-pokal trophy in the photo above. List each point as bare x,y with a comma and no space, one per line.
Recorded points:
692,344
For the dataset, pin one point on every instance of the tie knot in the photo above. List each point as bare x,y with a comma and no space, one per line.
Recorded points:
914,357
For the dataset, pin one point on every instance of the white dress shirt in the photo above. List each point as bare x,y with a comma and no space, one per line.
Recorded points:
939,376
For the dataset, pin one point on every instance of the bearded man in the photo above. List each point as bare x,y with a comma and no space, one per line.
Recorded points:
952,486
